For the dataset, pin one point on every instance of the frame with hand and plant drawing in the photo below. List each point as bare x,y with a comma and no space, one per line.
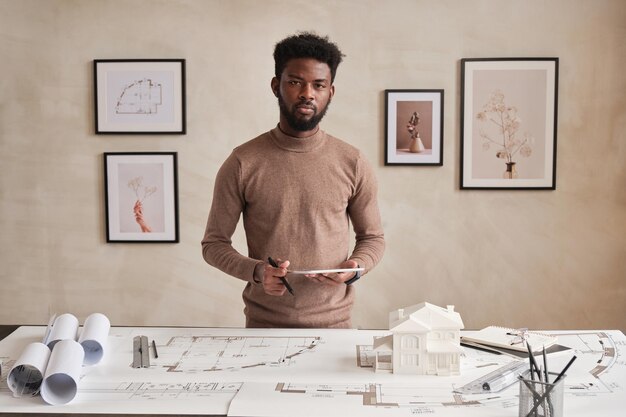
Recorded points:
141,197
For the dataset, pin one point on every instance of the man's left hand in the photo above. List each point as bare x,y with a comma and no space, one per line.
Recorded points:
336,278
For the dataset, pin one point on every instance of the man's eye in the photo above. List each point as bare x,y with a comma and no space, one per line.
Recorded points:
294,82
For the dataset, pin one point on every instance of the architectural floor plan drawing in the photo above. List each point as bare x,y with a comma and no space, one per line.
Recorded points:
140,97
307,372
233,353
600,371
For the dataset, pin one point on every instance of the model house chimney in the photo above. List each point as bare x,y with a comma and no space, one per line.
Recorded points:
450,308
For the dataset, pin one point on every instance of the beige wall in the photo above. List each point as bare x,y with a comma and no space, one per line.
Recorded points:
542,259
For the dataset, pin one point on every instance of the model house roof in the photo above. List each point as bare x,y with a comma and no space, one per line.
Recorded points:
383,344
424,317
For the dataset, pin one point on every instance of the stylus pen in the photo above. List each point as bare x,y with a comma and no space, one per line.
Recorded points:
283,279
156,355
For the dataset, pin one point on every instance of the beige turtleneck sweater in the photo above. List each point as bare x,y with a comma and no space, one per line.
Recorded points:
297,196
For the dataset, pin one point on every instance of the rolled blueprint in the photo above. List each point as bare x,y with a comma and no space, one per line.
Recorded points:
26,376
94,337
60,382
65,327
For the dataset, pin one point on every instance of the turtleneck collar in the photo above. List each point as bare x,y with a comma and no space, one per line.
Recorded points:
294,144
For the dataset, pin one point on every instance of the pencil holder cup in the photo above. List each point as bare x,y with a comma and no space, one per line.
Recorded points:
541,399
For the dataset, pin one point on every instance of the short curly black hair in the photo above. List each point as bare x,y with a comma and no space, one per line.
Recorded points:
307,45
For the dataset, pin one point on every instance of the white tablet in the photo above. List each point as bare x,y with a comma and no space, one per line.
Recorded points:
325,271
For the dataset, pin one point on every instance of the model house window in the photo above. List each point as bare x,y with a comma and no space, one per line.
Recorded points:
409,360
410,342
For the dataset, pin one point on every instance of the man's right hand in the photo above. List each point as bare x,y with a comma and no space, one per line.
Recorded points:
272,285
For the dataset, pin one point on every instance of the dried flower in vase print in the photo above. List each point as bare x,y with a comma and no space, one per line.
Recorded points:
499,129
141,193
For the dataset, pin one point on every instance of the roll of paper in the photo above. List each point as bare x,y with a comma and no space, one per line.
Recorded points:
26,376
94,337
65,327
60,382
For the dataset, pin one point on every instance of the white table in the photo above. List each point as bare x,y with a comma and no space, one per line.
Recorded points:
305,372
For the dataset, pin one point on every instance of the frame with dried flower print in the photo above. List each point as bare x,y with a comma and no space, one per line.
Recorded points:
413,127
509,123
141,197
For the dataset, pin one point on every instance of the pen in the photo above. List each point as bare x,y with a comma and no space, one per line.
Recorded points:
156,355
545,365
564,370
282,279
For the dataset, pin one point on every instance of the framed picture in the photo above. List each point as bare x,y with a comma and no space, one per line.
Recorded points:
141,196
413,127
140,96
508,123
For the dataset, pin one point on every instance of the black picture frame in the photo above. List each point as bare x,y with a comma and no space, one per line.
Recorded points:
509,123
414,127
141,197
140,96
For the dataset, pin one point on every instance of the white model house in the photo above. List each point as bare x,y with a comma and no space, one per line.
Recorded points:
424,340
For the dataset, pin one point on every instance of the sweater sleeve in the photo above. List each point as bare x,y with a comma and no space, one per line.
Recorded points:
228,204
365,217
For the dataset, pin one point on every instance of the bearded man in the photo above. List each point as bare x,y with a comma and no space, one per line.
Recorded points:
298,189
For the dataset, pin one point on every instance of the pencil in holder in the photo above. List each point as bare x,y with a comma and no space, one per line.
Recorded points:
541,399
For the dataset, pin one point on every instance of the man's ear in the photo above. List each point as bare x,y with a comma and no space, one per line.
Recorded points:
275,85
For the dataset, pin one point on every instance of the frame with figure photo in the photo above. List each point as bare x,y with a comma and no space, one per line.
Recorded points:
508,123
141,197
140,96
413,127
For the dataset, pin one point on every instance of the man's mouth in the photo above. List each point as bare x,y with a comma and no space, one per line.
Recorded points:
305,109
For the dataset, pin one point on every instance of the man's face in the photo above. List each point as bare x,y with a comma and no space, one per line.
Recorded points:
304,92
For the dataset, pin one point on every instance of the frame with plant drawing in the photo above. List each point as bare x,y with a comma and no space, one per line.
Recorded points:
141,195
508,123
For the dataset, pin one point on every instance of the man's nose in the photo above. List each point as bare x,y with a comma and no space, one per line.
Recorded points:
306,92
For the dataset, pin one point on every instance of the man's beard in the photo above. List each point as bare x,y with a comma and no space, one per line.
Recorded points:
296,123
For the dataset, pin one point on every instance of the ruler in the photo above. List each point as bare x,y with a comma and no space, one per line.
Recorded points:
497,380
141,357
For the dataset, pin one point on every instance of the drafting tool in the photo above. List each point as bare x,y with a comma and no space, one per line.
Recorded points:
141,356
46,336
495,381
